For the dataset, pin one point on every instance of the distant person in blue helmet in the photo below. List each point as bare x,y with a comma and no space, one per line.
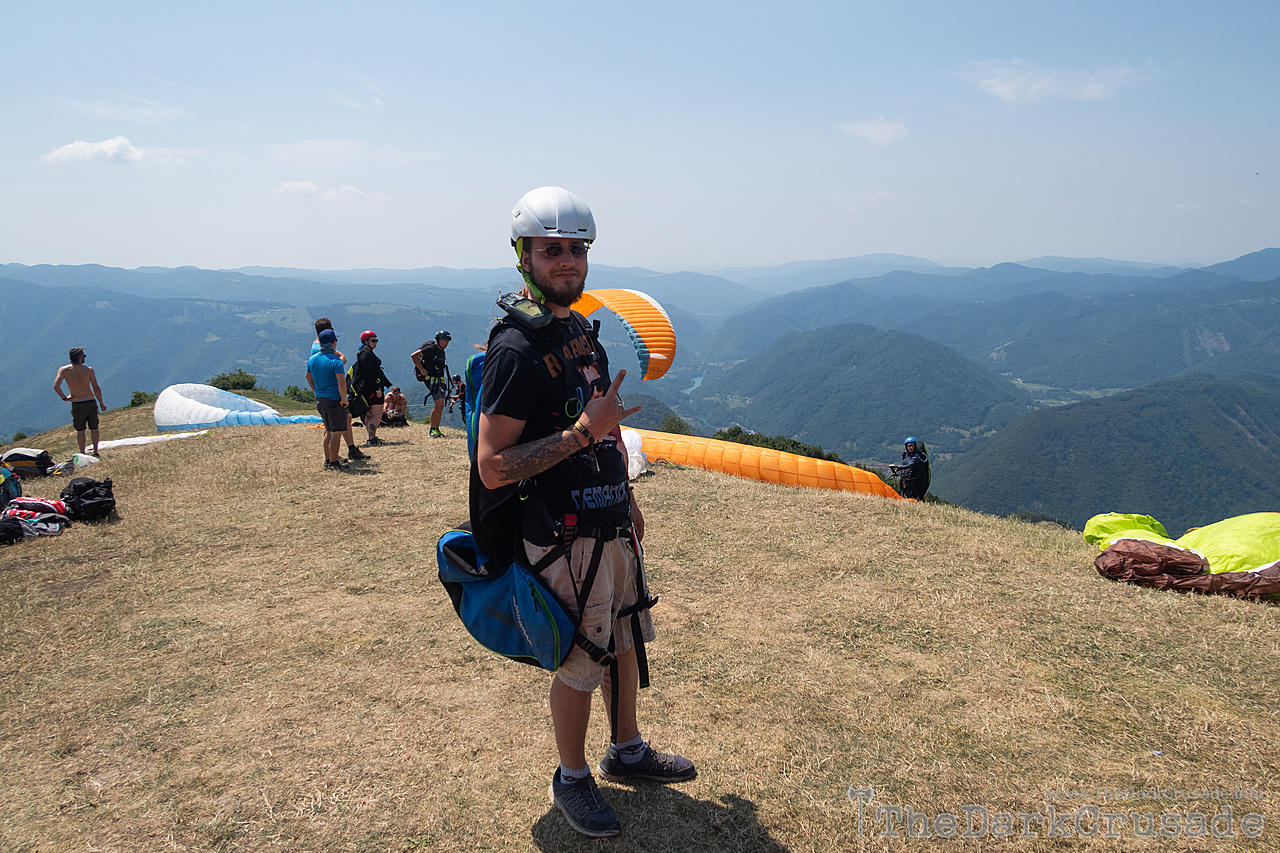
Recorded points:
913,473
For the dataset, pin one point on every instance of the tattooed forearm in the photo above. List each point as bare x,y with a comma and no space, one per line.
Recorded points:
530,459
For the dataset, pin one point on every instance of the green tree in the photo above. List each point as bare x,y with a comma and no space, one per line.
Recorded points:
775,442
142,398
18,436
236,380
302,395
676,424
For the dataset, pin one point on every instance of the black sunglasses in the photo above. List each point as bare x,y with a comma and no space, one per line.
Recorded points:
555,250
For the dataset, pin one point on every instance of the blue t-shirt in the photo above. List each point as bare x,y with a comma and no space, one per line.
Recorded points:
325,368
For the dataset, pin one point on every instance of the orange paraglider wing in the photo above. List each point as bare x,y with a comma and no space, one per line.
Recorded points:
761,463
645,321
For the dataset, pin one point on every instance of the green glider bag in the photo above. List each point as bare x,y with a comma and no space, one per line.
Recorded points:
507,610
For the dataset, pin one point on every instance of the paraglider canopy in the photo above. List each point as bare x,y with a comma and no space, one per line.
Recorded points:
190,405
647,324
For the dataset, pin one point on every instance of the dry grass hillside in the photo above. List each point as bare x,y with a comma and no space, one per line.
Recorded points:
257,656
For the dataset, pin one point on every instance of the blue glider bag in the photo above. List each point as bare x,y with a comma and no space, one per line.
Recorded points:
509,611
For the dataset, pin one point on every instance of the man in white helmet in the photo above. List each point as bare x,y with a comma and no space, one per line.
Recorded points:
548,432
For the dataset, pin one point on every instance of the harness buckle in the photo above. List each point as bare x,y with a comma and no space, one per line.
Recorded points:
567,528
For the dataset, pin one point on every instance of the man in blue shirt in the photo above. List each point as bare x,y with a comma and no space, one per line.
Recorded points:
353,452
327,376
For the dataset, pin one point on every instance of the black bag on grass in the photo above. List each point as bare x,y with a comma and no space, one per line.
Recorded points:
10,531
89,500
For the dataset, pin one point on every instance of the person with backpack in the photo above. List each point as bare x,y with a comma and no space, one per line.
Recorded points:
430,368
550,473
369,381
458,396
348,435
82,392
913,473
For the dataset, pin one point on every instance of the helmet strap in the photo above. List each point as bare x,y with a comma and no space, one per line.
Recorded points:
534,292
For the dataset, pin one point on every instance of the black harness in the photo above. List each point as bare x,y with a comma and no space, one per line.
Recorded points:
568,528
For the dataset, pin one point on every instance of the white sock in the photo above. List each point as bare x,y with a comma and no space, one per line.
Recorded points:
567,775
632,750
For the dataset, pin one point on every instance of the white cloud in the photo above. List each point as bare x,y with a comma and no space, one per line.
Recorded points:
879,131
119,149
1015,83
320,154
131,109
313,190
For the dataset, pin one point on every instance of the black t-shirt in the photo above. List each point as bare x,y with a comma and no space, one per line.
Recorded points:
522,380
432,359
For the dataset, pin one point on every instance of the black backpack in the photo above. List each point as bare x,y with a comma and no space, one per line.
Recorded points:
89,500
10,531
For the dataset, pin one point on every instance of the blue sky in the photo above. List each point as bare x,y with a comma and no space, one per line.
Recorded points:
704,135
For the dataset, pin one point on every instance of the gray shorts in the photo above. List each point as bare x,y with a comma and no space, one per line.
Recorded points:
84,414
437,390
333,413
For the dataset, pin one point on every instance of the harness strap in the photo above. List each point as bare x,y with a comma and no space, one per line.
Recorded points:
568,530
614,671
593,568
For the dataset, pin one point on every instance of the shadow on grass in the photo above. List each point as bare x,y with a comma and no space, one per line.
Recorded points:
660,818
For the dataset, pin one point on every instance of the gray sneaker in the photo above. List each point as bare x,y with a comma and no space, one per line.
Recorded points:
654,766
583,806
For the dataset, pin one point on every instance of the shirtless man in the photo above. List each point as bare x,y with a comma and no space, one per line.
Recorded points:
82,389
397,403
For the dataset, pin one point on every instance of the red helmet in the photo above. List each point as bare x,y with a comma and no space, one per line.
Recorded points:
364,336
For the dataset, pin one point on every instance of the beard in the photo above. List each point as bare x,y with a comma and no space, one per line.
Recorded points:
556,292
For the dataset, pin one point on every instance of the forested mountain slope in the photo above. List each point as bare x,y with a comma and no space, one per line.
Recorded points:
857,390
1189,451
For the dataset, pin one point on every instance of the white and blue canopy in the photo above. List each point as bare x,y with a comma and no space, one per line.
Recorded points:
192,406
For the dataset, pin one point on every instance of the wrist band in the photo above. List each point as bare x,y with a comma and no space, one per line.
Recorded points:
586,433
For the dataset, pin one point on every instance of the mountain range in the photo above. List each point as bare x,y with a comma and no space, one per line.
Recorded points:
847,354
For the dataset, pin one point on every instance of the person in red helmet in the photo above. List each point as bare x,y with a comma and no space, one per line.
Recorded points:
369,382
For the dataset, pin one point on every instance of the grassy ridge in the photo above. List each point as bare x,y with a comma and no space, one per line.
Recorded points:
257,656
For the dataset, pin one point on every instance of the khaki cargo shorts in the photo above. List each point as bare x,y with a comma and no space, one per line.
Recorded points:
614,589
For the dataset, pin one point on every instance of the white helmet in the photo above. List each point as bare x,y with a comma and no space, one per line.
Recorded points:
552,212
